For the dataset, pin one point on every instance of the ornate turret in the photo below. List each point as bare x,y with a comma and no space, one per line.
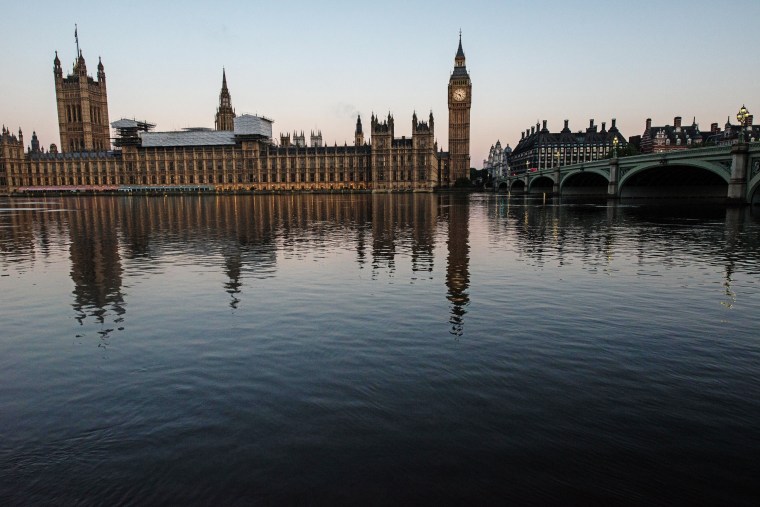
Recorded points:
101,71
316,139
35,143
57,70
80,67
82,106
225,115
359,133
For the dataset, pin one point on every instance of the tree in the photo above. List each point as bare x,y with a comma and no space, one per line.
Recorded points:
462,182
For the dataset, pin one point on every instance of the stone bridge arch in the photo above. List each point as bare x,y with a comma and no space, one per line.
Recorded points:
590,181
545,181
753,187
681,171
721,169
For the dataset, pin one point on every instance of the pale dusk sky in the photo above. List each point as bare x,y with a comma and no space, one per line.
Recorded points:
316,65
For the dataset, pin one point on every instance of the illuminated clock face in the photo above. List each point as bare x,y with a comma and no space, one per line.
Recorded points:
460,94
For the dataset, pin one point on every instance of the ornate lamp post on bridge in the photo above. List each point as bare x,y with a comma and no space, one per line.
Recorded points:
737,185
614,147
742,116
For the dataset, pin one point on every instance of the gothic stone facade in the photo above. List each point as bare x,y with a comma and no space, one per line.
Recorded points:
228,158
82,107
460,103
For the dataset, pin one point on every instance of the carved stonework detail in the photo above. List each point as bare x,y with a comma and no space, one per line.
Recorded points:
724,166
755,169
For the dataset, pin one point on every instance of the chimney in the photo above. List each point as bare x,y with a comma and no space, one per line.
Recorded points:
544,125
677,122
591,123
567,122
714,128
649,123
522,135
748,122
532,130
604,126
613,124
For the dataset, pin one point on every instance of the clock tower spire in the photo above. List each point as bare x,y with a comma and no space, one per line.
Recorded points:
460,101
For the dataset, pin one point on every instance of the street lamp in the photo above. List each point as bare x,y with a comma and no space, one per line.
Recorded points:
742,116
614,147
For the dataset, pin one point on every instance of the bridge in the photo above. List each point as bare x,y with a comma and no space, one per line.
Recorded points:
730,172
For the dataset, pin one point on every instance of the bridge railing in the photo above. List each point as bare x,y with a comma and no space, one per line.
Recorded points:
633,160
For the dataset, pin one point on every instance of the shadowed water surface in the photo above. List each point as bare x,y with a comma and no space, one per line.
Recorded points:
377,349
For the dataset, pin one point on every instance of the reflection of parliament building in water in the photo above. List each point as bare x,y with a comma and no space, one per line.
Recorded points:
245,236
240,154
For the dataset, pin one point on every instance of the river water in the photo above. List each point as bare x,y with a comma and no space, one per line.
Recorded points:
377,349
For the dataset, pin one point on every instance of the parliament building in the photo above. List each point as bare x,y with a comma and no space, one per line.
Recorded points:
239,155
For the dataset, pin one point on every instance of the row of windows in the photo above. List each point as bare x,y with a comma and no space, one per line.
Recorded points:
209,159
666,142
202,165
549,160
74,114
169,178
180,179
77,144
588,149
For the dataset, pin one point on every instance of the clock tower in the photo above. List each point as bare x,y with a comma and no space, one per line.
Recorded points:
460,101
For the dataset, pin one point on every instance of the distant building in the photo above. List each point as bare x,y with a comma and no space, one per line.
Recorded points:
11,154
660,139
239,154
497,163
730,133
540,149
670,138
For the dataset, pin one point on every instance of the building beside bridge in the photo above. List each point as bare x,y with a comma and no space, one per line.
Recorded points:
497,163
541,149
239,154
666,138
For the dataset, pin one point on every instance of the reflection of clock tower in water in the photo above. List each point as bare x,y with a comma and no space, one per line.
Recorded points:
460,101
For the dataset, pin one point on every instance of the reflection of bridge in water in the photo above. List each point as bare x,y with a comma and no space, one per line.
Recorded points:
727,172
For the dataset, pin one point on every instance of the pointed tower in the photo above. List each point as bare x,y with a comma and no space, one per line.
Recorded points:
358,133
82,106
225,115
460,102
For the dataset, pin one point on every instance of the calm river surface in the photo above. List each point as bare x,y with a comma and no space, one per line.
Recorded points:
377,349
